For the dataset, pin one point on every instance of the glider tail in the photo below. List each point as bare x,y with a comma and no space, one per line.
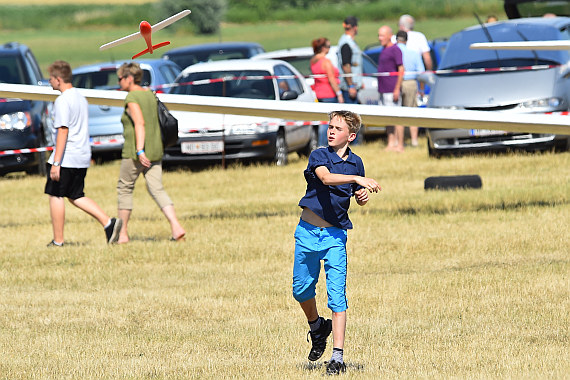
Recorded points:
145,51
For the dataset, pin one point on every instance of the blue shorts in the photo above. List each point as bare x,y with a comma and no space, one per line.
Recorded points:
313,244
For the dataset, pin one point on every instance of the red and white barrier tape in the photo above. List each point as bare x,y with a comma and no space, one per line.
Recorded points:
26,150
383,74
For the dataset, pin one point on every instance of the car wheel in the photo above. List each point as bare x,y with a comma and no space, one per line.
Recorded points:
431,151
281,154
311,145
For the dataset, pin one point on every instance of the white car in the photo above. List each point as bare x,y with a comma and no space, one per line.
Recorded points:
211,137
300,59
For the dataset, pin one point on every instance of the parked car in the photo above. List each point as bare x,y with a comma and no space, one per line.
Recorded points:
300,59
538,82
208,137
192,54
23,123
105,127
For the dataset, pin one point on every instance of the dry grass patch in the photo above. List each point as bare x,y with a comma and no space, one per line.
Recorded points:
468,284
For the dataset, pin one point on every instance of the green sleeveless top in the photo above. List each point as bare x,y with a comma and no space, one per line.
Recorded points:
152,142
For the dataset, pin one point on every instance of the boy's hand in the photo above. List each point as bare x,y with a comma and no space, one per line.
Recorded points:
369,184
361,196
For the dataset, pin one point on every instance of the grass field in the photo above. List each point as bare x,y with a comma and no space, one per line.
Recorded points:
460,284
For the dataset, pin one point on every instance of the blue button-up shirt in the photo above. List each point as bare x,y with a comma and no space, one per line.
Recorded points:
413,63
331,203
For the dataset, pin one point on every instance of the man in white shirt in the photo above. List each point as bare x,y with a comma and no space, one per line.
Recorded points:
416,40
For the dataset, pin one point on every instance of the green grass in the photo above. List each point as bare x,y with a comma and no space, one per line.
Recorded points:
455,284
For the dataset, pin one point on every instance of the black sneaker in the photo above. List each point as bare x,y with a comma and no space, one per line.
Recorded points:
319,339
113,229
335,368
53,244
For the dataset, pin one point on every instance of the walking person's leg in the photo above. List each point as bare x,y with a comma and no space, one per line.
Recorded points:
153,177
128,175
57,213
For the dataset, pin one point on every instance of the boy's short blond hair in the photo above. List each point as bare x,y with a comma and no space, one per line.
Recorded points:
60,69
351,119
133,69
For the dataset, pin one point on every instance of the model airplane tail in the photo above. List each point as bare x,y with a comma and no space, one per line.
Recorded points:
147,50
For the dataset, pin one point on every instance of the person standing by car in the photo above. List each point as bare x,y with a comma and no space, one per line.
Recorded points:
391,65
350,60
142,151
416,40
327,81
67,166
412,66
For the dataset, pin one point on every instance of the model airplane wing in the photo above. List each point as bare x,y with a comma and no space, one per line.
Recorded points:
523,45
135,36
129,38
172,19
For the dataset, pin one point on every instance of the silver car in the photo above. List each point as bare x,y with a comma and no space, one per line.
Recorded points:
508,81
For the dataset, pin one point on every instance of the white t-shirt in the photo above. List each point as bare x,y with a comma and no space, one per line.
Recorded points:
416,41
71,111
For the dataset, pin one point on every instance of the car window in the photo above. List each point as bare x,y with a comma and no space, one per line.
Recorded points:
169,73
103,80
33,68
187,59
236,84
289,82
303,64
11,71
368,65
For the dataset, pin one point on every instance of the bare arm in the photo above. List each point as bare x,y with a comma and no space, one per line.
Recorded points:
428,63
399,83
333,179
327,65
136,114
60,143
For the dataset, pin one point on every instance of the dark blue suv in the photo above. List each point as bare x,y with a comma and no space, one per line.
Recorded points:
23,123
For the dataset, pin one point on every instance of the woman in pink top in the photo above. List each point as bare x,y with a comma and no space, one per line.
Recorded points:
327,80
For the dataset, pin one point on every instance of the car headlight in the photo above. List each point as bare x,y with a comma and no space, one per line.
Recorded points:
542,103
248,129
16,120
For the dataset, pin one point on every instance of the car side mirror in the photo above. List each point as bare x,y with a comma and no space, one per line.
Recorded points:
427,78
289,95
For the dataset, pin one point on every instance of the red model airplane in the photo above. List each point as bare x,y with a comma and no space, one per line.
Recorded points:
145,31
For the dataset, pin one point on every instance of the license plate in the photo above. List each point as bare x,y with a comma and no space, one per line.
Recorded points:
109,139
202,147
485,132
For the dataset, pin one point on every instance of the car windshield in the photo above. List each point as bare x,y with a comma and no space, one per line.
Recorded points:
105,79
253,84
185,59
458,55
11,70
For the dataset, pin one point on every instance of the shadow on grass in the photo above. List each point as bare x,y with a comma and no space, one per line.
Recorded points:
321,366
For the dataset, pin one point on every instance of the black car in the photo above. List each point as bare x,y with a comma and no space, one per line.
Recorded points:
23,123
192,54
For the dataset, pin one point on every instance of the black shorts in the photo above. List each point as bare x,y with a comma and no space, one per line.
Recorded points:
70,185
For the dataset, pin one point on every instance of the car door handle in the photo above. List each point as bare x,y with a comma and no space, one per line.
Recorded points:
104,108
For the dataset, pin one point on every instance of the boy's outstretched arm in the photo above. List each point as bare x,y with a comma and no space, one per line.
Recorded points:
333,179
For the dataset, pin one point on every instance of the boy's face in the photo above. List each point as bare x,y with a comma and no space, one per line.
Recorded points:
338,134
